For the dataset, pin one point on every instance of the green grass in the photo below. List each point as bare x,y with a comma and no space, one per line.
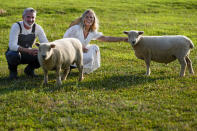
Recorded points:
117,96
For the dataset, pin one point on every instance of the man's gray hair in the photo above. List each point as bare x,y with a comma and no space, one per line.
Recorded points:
29,10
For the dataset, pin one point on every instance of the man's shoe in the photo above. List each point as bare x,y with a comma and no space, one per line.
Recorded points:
13,75
30,73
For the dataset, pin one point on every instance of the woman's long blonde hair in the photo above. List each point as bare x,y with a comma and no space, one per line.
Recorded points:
80,21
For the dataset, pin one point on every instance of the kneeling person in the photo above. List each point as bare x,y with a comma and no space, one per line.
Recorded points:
21,39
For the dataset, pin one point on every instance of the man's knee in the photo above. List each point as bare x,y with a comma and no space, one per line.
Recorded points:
13,57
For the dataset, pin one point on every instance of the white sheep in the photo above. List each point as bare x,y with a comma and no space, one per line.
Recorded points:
60,54
162,49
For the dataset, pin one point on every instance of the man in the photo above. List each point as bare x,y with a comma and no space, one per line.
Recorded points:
22,37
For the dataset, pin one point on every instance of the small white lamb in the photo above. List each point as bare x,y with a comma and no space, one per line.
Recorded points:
60,54
162,49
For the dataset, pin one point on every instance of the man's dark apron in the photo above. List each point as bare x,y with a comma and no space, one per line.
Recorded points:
26,41
14,58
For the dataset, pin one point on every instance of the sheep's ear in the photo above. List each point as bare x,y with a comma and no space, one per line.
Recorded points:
37,44
52,45
141,32
126,32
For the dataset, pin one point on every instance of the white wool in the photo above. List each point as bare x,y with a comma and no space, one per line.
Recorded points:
162,49
60,54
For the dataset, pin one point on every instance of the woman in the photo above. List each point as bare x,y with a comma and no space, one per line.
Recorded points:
85,29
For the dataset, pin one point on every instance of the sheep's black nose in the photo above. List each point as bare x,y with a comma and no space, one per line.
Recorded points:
133,42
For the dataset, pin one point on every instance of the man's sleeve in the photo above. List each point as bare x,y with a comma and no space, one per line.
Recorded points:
13,37
41,34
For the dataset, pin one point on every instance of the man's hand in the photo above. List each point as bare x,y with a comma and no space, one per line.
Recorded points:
33,51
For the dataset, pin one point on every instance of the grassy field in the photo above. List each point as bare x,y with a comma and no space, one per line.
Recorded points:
117,96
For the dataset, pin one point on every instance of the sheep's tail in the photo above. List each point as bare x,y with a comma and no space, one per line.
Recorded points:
191,45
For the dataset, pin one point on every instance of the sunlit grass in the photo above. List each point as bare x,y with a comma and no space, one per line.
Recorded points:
117,96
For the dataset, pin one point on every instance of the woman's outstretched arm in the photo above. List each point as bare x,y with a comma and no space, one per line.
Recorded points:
112,39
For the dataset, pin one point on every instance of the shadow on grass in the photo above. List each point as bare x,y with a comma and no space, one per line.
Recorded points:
24,82
106,82
21,83
121,81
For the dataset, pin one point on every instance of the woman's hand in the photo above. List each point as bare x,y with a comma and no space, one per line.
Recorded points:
85,50
125,39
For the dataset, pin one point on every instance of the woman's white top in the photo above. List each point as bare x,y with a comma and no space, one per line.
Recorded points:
91,59
76,31
15,31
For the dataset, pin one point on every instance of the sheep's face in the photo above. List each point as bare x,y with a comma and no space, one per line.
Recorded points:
45,50
133,36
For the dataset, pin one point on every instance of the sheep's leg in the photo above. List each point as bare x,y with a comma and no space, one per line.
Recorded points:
58,78
80,68
147,61
45,76
80,65
189,65
182,61
65,73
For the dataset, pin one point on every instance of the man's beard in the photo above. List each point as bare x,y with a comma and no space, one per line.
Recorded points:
28,24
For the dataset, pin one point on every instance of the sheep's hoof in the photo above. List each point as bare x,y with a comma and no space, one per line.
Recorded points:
182,75
80,79
58,85
45,83
63,78
192,73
